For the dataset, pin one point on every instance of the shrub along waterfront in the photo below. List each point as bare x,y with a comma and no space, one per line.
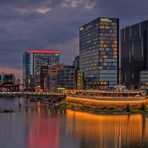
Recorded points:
98,106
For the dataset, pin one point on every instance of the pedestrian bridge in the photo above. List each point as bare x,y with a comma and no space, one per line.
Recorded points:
29,94
36,96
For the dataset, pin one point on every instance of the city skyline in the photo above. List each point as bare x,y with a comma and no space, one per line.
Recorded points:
35,25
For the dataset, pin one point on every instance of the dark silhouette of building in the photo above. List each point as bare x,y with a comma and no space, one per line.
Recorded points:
134,52
7,83
44,72
76,62
67,77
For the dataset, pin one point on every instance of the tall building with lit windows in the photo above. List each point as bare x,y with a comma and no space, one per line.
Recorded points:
134,52
33,61
99,52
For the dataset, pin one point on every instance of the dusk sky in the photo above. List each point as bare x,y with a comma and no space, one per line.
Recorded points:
54,24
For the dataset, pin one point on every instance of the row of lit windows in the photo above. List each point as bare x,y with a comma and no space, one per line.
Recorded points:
107,64
98,24
93,41
95,49
100,45
106,24
99,57
98,31
107,27
101,68
108,49
103,33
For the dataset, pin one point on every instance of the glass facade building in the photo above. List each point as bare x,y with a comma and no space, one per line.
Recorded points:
7,79
66,77
144,79
33,60
76,62
99,52
134,52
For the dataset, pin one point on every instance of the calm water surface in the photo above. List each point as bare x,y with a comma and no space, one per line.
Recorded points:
38,126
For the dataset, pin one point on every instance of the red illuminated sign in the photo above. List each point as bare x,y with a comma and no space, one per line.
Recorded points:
43,51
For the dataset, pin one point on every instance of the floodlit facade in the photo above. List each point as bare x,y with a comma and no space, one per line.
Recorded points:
99,52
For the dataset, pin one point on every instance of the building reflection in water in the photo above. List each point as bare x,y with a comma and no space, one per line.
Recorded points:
107,131
44,131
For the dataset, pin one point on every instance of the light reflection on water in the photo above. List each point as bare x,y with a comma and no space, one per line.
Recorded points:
39,126
108,131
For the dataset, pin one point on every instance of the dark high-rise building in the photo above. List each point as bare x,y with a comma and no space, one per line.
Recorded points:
7,78
143,79
44,73
76,62
33,60
134,52
51,81
99,52
66,77
7,83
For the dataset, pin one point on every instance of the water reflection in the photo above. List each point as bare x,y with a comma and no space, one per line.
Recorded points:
37,125
108,131
44,133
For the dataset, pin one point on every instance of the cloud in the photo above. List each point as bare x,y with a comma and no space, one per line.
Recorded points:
54,24
43,10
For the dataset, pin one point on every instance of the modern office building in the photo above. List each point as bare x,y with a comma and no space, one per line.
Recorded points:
66,77
79,80
33,60
76,62
54,72
44,73
144,79
7,83
99,52
7,79
134,52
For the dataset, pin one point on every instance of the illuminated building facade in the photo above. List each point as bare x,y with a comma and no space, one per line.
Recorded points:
99,52
79,80
33,60
134,52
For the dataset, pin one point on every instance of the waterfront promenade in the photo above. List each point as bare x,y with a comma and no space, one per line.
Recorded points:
108,101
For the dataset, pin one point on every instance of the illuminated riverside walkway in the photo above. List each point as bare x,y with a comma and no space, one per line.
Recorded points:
109,95
105,93
108,99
